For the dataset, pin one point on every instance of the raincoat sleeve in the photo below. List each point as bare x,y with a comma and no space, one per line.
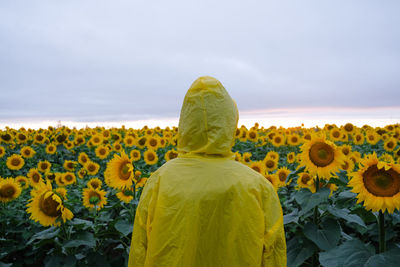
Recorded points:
274,253
137,254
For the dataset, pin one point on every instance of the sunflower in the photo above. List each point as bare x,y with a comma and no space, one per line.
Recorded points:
92,168
34,176
291,157
10,189
358,138
135,155
258,166
347,165
44,166
15,162
349,128
152,142
50,176
62,192
252,135
171,154
273,179
83,158
282,173
46,206
294,139
377,183
305,180
117,147
270,164
21,138
39,138
6,138
82,173
272,155
51,149
60,179
94,198
94,183
96,139
321,157
70,165
278,140
386,157
141,183
2,151
27,152
125,195
129,141
150,157
141,142
23,181
390,144
372,137
346,150
335,134
102,152
68,178
246,157
355,156
238,156
119,172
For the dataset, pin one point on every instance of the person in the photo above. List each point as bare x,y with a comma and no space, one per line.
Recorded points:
203,208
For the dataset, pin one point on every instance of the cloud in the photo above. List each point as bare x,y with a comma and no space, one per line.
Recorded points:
97,60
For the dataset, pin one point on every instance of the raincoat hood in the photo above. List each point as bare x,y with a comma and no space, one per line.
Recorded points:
208,120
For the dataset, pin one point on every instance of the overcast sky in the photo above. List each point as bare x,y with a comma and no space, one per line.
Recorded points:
128,60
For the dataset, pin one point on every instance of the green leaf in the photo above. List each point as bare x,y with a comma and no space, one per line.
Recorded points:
345,214
298,253
308,200
291,217
46,234
81,224
83,238
389,258
124,227
327,237
350,254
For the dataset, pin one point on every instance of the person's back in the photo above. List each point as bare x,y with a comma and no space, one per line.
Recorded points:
204,208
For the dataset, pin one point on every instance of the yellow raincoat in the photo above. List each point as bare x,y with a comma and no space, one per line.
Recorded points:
204,208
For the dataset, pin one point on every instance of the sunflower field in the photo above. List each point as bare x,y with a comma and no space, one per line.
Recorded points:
68,196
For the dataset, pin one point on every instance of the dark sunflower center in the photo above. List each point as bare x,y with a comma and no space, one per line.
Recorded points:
150,157
27,152
348,127
321,154
124,171
336,134
256,168
358,137
91,168
294,139
6,137
7,191
345,166
142,141
305,178
22,137
381,183
43,166
270,163
70,165
390,145
94,184
173,155
278,139
35,177
49,206
252,135
15,162
39,138
153,142
69,178
282,176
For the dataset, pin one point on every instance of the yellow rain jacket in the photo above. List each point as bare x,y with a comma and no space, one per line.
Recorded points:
204,208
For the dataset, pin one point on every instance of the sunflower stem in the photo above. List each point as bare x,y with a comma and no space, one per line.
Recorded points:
315,261
381,224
